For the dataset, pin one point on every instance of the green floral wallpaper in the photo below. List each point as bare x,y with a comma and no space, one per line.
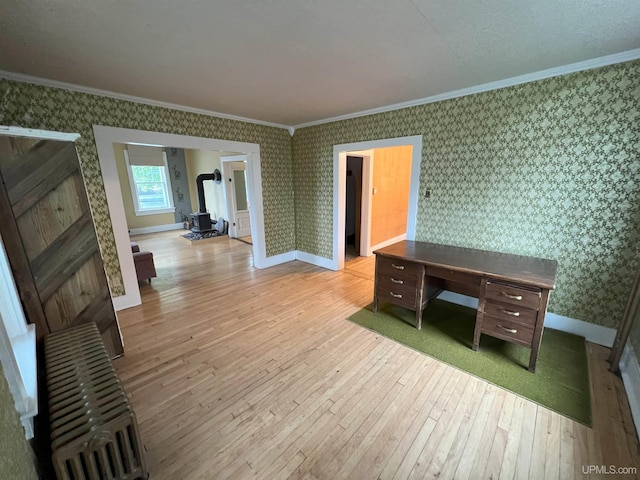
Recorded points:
549,169
17,461
32,106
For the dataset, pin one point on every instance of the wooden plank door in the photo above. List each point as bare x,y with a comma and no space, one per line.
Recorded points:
48,233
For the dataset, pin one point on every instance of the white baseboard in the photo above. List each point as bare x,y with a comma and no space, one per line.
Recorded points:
315,260
386,243
127,301
156,228
276,260
630,372
591,332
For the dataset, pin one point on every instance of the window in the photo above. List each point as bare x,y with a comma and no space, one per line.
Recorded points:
17,348
151,187
149,178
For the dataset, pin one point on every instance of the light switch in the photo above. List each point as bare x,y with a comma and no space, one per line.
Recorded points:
375,190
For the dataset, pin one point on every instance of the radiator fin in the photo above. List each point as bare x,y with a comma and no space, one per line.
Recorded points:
94,434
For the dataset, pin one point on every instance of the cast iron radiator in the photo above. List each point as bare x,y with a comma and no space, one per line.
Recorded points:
94,434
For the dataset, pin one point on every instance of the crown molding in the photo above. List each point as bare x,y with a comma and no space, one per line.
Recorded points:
508,82
45,82
626,56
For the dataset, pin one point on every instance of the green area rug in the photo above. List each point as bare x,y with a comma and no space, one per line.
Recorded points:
561,381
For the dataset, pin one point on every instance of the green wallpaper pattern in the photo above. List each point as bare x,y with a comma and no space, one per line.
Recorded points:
17,461
32,106
549,169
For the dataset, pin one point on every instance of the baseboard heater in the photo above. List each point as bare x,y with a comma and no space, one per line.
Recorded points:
94,434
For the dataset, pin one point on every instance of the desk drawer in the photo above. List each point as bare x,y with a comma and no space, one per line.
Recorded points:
453,275
511,313
506,330
397,281
521,296
402,295
396,268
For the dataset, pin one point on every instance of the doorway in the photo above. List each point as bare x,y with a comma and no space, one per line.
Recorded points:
353,207
340,153
105,137
237,201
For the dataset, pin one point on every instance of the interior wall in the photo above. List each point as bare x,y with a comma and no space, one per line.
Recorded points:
133,220
390,203
548,169
205,161
34,106
16,460
179,183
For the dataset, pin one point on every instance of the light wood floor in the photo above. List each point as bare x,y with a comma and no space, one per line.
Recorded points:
242,373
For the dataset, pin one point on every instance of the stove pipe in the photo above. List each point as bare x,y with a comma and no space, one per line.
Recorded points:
202,206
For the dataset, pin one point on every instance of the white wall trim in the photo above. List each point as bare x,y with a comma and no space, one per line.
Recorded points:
630,373
45,82
391,241
279,259
508,82
156,228
315,260
34,133
590,331
105,137
340,191
365,208
17,348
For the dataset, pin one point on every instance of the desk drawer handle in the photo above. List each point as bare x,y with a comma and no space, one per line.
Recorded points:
510,330
510,312
397,267
512,297
397,282
396,295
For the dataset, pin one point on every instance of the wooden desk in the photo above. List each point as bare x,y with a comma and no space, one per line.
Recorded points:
512,290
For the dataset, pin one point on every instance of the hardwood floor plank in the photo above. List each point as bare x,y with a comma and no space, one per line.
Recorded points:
538,458
525,448
514,435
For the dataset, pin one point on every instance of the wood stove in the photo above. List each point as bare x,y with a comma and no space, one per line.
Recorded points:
201,222
202,219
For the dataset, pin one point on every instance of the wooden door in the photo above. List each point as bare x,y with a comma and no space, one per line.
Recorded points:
237,199
48,233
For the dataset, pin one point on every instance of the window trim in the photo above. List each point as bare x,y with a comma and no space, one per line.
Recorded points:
132,184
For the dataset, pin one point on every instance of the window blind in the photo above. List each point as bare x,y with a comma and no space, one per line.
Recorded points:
143,155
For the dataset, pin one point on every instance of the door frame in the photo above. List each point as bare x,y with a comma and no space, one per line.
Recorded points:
105,137
340,191
229,197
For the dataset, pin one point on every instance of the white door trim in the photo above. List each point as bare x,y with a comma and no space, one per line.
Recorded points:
339,187
229,201
105,137
34,133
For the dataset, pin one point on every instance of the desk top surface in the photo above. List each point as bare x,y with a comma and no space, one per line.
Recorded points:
539,272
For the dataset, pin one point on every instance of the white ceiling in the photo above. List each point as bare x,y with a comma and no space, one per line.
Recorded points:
292,62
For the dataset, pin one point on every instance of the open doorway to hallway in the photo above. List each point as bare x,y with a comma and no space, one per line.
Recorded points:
390,170
381,191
